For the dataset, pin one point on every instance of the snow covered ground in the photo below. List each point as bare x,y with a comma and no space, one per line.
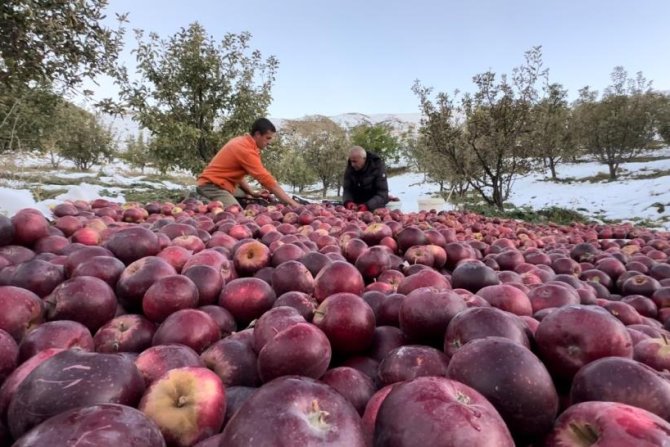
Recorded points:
625,199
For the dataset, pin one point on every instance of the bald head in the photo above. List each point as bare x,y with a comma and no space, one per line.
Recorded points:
357,157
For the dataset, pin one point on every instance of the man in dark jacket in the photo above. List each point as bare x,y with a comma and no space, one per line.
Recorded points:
365,185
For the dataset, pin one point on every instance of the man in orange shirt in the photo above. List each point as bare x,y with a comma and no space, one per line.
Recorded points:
223,178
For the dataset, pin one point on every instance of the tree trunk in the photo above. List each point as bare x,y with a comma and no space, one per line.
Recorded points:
497,197
613,170
552,167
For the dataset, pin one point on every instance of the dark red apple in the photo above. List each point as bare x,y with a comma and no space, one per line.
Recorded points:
125,333
389,310
410,236
97,425
373,262
286,252
315,261
442,412
292,276
247,299
9,355
87,236
640,285
272,322
369,417
507,297
64,334
481,322
20,311
609,424
654,352
411,361
338,277
473,275
552,295
298,411
168,295
176,256
355,386
16,254
565,345
154,362
6,231
13,381
303,303
208,281
133,243
426,312
385,340
234,361
84,254
236,396
352,248
138,277
424,278
29,226
616,379
106,268
191,327
301,349
222,317
513,379
623,312
84,299
89,378
38,276
348,322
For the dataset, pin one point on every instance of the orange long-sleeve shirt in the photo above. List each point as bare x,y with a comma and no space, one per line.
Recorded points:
237,158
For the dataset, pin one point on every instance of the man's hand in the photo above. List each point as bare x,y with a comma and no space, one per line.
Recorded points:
350,205
362,207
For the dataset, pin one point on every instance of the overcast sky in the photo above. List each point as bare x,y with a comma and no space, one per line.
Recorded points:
363,56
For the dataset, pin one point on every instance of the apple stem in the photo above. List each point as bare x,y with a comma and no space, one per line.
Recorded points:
586,433
182,401
665,338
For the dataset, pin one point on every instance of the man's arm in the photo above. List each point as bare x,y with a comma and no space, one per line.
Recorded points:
381,197
281,195
244,186
253,165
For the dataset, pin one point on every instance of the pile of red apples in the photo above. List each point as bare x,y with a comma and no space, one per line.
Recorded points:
193,325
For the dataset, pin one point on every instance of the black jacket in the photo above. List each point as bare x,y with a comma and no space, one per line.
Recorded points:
367,186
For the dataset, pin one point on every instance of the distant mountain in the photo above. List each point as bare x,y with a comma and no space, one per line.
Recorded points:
124,126
401,122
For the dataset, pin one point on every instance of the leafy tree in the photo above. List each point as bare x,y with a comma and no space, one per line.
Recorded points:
48,46
296,171
27,115
61,41
664,117
439,131
137,152
553,132
377,138
491,147
621,124
194,93
86,141
323,145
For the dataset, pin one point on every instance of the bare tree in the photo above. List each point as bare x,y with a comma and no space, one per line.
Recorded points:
620,125
491,147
